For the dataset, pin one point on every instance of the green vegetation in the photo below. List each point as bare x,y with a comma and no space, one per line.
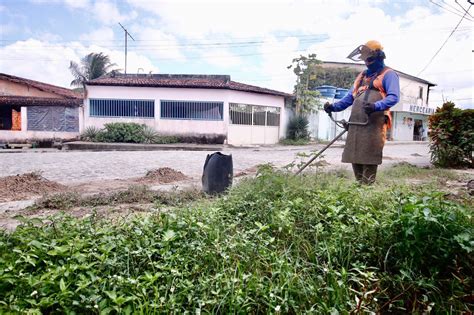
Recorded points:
274,244
306,98
294,142
297,129
452,136
339,77
134,194
92,66
126,132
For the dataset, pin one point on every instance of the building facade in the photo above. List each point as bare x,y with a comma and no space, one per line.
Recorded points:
211,106
32,111
409,116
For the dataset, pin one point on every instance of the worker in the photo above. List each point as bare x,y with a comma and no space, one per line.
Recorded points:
375,90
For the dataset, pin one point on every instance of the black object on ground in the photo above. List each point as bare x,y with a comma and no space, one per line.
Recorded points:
218,173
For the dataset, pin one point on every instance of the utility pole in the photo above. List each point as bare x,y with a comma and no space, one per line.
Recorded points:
126,35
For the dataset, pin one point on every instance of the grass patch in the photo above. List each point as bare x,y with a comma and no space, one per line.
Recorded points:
274,244
294,141
134,194
406,170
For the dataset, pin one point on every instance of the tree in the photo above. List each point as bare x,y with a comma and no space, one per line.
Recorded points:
338,77
307,99
92,66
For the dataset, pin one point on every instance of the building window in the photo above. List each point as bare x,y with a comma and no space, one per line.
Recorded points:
122,108
192,110
420,92
243,114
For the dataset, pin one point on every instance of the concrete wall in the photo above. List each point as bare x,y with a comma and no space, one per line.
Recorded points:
321,126
409,94
11,88
180,126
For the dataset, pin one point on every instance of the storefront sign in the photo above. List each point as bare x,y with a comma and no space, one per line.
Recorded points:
421,109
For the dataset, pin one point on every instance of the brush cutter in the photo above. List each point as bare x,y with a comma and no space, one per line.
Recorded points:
340,123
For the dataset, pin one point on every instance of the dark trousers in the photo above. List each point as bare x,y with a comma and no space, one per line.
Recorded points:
365,173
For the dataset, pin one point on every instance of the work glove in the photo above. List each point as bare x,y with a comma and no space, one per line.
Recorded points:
328,108
369,108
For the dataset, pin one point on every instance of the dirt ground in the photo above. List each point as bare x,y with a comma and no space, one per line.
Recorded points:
19,194
23,186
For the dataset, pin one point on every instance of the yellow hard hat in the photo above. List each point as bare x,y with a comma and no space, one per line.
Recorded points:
371,49
374,45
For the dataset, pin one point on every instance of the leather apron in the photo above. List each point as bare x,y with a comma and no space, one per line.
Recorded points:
364,144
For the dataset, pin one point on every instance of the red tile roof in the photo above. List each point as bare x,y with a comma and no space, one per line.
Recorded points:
38,101
181,81
45,87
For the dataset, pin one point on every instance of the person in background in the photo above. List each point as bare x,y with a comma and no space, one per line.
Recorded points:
375,90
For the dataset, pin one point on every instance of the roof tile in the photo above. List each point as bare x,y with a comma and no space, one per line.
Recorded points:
181,81
67,93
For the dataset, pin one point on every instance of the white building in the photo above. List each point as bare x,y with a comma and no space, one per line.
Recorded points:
196,105
409,115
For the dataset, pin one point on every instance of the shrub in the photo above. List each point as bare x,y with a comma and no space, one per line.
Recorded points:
452,136
298,128
127,132
122,132
90,133
150,135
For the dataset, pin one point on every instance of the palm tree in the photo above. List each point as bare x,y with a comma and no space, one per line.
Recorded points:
91,67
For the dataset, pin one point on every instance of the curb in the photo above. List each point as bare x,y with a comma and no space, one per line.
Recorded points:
102,146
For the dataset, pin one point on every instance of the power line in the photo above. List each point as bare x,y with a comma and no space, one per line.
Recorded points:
254,40
437,52
462,7
452,7
153,47
448,10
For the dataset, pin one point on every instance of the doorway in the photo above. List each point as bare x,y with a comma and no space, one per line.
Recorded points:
418,130
10,118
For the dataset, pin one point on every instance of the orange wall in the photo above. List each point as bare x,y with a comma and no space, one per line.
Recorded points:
11,88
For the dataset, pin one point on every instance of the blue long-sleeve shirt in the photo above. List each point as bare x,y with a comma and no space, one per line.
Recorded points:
391,85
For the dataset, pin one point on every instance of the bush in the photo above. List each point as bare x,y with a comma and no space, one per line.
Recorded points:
298,128
127,132
452,136
90,133
122,132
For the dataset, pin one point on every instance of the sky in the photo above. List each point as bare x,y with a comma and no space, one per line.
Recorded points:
253,41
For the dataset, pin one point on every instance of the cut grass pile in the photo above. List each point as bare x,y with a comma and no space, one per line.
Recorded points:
23,186
274,244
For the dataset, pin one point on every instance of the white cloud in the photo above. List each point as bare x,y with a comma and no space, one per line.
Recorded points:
77,4
69,3
49,62
278,56
220,57
240,18
103,34
107,13
155,43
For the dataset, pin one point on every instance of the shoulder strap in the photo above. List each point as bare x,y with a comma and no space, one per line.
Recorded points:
371,83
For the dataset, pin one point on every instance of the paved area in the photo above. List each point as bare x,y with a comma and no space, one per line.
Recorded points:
74,167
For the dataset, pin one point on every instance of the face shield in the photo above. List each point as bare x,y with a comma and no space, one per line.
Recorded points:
361,53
